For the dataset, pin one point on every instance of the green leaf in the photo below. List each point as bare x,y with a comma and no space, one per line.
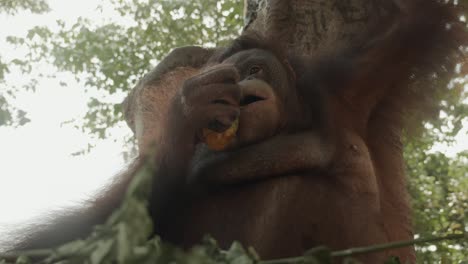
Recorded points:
318,255
393,260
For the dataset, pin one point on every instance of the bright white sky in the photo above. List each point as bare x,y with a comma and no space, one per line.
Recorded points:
37,171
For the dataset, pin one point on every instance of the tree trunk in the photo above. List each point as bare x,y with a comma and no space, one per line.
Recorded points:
316,26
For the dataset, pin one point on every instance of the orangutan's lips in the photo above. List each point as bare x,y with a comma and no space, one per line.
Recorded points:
250,99
254,91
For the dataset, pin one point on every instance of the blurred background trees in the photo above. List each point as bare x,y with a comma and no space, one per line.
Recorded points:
109,57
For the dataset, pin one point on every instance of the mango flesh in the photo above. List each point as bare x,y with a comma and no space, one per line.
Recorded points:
219,141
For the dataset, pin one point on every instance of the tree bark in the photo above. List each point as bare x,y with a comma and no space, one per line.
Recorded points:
317,26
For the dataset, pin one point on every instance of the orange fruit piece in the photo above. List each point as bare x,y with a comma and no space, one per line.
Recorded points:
219,141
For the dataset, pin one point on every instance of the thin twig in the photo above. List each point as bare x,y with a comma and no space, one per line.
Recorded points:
34,253
370,249
399,244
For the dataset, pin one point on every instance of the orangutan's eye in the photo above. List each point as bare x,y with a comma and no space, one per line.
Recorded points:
254,69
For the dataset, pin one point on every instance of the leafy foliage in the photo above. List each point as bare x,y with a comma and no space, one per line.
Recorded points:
124,239
438,186
8,113
112,57
14,6
437,182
